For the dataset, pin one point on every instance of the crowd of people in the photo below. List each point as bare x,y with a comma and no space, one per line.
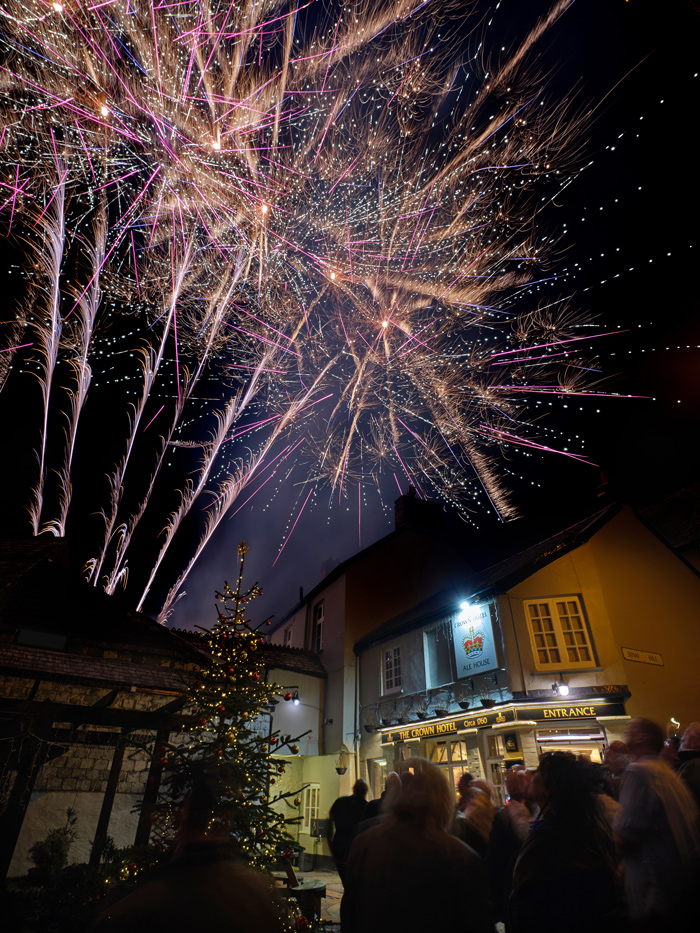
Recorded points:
577,846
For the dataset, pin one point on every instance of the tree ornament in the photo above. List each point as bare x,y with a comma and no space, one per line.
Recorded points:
223,713
294,749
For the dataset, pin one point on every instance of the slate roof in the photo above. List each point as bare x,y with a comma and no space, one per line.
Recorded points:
495,579
293,659
38,593
56,626
81,669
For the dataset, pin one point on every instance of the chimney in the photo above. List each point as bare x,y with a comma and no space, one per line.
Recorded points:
410,511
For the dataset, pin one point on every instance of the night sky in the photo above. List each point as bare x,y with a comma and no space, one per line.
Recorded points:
635,206
626,257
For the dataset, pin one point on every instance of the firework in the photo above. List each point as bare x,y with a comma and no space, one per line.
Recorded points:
323,214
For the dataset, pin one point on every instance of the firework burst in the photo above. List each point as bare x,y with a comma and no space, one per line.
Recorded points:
322,213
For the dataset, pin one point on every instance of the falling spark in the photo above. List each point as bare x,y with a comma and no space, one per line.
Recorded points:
299,253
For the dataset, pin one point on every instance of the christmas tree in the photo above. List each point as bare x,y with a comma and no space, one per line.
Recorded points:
228,735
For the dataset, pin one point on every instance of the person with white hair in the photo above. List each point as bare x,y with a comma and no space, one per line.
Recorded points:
656,829
408,872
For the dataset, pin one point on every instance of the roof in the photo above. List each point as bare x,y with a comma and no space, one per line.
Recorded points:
518,567
495,579
18,555
37,592
78,668
440,536
282,657
293,659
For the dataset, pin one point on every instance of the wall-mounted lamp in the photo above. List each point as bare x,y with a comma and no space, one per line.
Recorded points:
561,689
295,698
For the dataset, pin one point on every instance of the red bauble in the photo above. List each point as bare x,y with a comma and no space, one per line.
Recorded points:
273,740
255,676
221,708
288,696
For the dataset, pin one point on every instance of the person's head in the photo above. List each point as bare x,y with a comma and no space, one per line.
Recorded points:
643,737
563,785
463,783
616,757
517,780
392,788
690,740
482,786
393,782
359,788
669,752
425,796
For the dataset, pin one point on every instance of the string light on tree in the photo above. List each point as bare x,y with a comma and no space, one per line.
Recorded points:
229,732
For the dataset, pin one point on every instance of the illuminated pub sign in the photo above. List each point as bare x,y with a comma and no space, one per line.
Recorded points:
583,709
474,644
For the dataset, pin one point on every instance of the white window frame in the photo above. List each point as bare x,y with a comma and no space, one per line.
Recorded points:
392,676
317,625
310,799
557,633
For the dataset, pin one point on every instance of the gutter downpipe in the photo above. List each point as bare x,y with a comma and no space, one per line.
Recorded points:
517,645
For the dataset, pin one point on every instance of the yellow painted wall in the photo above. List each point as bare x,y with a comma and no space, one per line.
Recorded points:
637,594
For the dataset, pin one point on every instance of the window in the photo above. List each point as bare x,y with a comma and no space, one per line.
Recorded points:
392,670
559,633
309,806
317,629
439,653
288,636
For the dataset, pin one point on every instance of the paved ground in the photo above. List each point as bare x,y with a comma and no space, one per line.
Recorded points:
330,904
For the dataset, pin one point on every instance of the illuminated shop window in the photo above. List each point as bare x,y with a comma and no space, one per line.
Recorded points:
309,806
392,670
559,633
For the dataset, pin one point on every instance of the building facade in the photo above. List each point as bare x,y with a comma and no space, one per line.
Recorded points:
89,691
555,647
